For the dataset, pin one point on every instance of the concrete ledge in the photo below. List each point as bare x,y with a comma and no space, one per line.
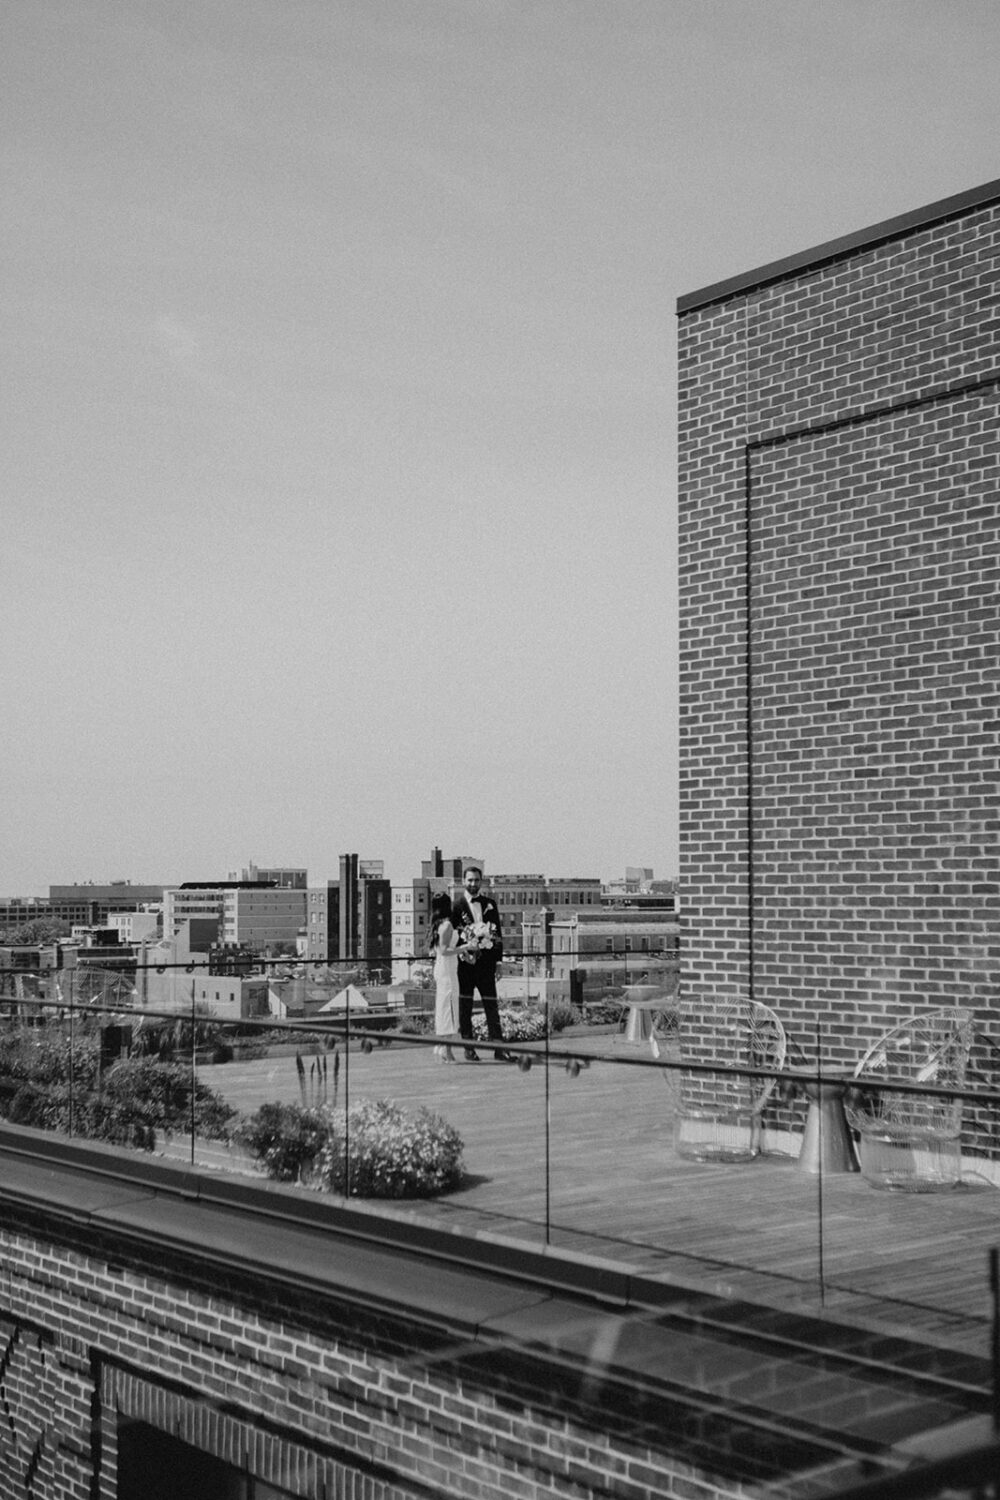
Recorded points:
849,244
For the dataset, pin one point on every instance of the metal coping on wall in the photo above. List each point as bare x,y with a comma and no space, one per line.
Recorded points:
861,239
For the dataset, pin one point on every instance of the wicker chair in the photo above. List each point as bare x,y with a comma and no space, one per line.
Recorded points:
719,1118
911,1142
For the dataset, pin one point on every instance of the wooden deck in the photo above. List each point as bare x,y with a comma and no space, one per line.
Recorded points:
587,1164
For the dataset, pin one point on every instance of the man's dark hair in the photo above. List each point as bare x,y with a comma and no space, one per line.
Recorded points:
469,868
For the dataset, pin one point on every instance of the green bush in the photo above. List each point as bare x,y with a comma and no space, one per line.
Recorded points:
392,1154
253,1051
563,1014
43,1056
285,1139
54,1086
42,1108
607,1012
416,1023
141,1095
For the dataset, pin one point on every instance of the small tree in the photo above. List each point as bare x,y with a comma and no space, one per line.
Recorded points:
38,932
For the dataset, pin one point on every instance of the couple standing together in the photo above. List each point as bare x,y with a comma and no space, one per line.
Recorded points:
467,946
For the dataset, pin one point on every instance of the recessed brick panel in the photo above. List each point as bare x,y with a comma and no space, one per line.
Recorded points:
875,685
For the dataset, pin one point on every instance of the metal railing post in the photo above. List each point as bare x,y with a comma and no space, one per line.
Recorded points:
193,1065
994,1263
819,1174
548,1129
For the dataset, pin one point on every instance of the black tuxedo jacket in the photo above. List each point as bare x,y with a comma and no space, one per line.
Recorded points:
461,916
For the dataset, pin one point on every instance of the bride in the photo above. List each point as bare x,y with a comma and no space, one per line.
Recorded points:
444,947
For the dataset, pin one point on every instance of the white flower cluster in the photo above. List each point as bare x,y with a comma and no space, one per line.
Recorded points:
518,1025
393,1154
477,937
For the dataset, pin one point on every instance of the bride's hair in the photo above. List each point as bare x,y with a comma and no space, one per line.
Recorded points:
440,912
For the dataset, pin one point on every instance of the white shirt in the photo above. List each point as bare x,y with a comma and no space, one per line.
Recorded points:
475,906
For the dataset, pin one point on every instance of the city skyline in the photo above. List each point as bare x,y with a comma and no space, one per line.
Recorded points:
395,878
340,399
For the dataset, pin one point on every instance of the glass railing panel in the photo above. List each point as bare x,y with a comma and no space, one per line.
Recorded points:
902,1173
597,1136
396,1120
39,1066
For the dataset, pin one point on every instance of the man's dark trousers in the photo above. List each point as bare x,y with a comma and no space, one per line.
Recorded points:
481,976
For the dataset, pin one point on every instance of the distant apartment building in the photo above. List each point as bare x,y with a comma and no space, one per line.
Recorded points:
636,878
349,917
639,891
132,926
521,897
246,913
183,975
411,914
518,896
17,911
365,907
92,904
26,969
411,917
411,907
286,877
451,869
322,925
605,943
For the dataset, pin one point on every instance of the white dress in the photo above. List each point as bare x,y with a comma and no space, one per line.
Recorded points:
446,982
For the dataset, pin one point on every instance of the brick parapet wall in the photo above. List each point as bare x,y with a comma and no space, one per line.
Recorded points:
842,424
886,325
308,1394
713,662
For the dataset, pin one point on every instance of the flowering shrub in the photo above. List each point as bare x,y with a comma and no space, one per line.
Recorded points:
522,1023
392,1154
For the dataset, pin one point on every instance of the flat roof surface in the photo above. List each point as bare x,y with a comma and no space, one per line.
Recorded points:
861,239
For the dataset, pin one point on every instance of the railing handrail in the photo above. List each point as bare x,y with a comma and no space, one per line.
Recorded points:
335,1022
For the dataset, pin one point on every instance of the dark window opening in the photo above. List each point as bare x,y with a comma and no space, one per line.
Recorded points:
152,1465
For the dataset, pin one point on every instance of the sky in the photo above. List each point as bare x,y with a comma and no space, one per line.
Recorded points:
337,353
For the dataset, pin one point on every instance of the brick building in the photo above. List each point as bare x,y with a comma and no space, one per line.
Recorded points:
840,628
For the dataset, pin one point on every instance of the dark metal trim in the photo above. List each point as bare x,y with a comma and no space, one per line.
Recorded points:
848,244
748,689
753,446
904,403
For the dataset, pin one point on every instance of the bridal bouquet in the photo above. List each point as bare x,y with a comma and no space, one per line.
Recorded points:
478,938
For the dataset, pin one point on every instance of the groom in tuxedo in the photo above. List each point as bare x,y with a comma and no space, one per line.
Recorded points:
471,906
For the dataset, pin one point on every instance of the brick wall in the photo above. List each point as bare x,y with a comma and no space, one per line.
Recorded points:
317,1398
840,637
